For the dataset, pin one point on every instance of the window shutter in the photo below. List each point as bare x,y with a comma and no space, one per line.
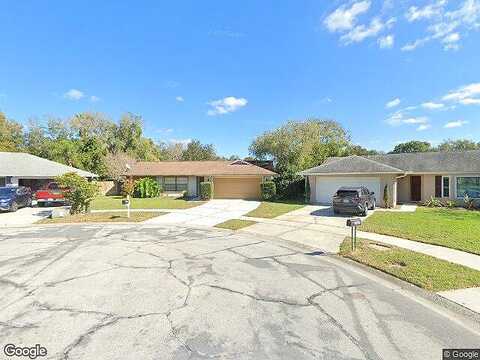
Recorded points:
438,186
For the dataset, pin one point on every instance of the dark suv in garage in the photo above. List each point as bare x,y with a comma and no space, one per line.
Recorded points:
353,200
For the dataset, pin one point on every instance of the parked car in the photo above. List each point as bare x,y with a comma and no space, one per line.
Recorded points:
50,194
353,200
14,197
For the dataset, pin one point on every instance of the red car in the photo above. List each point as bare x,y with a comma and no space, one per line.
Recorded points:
50,194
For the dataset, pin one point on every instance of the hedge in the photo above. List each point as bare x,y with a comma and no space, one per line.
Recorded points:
268,190
206,190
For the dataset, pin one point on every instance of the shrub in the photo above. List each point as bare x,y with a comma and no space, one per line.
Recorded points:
146,188
78,191
450,204
128,187
268,190
386,198
206,190
289,185
469,203
432,202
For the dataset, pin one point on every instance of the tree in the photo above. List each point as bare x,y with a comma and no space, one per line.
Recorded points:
412,147
196,151
458,145
298,145
172,151
117,165
78,191
360,151
11,135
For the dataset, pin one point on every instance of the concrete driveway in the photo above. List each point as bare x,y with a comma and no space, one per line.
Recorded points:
312,225
172,292
24,216
209,214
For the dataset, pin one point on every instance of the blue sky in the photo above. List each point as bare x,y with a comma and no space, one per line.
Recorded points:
224,71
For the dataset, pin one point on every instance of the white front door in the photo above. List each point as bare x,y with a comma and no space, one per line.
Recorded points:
327,186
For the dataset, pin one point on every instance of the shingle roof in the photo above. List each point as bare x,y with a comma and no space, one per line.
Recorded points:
27,165
352,165
431,162
455,162
196,168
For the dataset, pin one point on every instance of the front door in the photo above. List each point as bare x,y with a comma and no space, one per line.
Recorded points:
415,188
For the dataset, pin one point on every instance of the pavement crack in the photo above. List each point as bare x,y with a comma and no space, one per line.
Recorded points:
258,298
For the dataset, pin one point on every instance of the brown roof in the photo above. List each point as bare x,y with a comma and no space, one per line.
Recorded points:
196,168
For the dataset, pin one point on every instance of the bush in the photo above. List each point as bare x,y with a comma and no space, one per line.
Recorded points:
289,185
386,198
469,203
128,187
147,188
432,202
206,190
268,190
78,191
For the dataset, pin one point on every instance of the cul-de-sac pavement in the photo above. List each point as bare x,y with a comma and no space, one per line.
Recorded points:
174,292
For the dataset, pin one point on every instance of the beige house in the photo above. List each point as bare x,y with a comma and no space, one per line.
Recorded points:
412,177
231,179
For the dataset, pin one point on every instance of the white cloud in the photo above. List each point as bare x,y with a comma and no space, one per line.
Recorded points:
386,42
74,94
465,95
180,99
94,98
393,103
416,120
468,13
413,45
424,127
345,18
180,141
361,32
226,105
432,105
455,124
415,13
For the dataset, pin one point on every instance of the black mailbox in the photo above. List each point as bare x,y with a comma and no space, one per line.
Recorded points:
354,222
125,202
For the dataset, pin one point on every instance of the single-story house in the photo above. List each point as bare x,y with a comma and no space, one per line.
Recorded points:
409,177
231,179
24,169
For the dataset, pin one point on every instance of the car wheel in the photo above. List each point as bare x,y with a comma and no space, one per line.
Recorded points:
373,205
365,210
29,203
14,207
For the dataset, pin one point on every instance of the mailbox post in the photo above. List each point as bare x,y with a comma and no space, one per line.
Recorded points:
127,204
353,223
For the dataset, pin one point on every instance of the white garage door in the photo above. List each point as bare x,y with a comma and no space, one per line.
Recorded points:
326,187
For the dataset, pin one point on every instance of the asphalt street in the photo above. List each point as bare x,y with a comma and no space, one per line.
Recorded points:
174,292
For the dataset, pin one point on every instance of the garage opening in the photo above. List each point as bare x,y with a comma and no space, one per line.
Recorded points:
327,186
237,188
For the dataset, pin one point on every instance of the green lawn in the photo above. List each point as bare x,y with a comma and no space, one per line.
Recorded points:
165,202
271,210
421,270
453,228
103,217
235,224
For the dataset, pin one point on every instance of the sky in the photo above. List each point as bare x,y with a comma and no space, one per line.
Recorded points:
224,72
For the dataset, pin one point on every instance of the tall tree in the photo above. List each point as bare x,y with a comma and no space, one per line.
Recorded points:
298,145
458,145
197,151
11,134
412,147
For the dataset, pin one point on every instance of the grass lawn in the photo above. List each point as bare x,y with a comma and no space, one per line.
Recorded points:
453,228
421,270
235,224
166,202
271,210
102,217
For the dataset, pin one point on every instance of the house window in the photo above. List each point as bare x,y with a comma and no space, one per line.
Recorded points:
468,185
445,186
175,183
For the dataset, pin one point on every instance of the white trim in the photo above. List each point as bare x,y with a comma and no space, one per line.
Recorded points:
449,186
464,176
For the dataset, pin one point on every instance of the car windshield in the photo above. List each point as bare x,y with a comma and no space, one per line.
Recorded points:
347,193
6,191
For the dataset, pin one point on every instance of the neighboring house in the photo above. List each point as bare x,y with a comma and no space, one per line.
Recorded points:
412,177
231,179
32,171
